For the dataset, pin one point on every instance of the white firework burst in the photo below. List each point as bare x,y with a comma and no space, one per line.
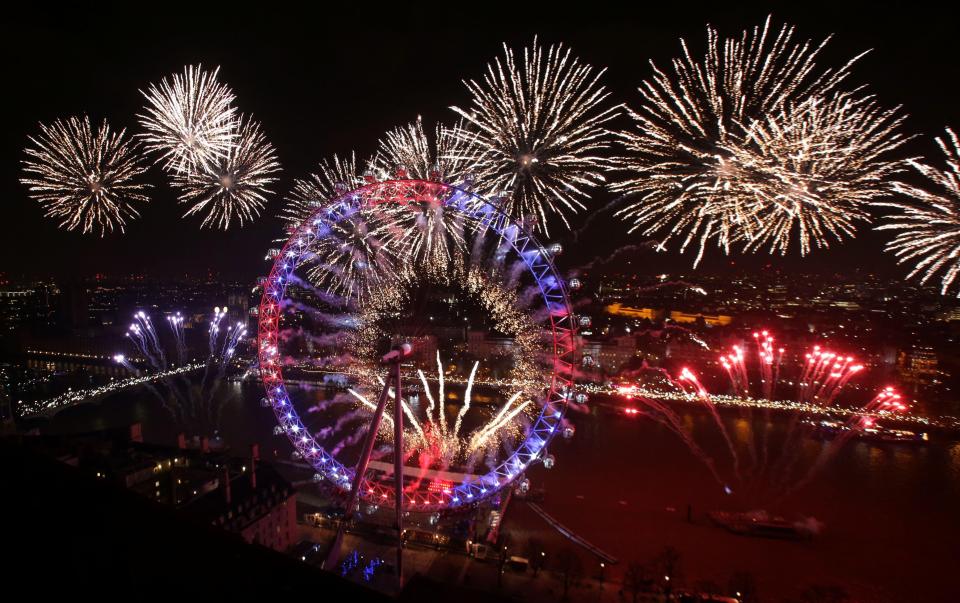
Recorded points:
814,170
189,120
235,185
409,149
927,229
536,132
87,180
709,158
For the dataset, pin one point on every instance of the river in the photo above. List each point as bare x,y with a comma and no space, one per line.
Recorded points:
888,513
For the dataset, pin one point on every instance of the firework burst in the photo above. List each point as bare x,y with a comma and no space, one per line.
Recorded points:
235,185
751,143
357,256
816,169
409,149
87,180
189,120
928,227
441,442
536,131
335,178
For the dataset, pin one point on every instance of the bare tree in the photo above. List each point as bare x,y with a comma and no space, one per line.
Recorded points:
638,579
570,567
667,564
535,553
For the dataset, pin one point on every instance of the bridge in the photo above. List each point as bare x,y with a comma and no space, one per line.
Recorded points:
51,406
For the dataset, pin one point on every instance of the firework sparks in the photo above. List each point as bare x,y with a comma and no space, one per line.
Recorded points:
356,258
213,331
536,131
189,120
175,321
146,341
410,150
85,179
440,441
336,177
125,363
928,227
234,185
752,143
816,169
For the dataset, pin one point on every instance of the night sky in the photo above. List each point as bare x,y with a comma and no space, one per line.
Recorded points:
325,81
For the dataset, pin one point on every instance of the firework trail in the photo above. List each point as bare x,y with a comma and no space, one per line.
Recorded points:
466,399
230,342
189,120
688,377
769,362
125,363
822,378
753,144
666,417
441,398
176,328
927,229
145,325
824,374
85,179
651,244
141,342
668,284
190,405
432,438
535,132
213,331
585,224
886,401
145,340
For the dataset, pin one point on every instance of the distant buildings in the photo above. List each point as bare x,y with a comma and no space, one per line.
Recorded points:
714,320
918,365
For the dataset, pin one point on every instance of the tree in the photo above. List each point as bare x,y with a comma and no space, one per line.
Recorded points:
535,553
638,579
667,564
570,567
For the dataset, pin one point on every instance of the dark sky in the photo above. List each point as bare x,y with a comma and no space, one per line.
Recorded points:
323,80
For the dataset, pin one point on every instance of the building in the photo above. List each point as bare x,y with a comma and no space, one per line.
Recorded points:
918,365
481,344
618,309
257,503
713,320
608,356
238,495
424,349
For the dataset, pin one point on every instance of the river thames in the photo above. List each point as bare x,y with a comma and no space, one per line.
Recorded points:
886,513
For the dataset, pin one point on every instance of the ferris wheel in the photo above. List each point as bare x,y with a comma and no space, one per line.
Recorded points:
428,443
